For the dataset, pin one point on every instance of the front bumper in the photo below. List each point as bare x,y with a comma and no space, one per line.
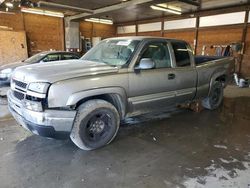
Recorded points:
50,123
4,79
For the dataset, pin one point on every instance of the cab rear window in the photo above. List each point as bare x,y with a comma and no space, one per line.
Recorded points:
181,52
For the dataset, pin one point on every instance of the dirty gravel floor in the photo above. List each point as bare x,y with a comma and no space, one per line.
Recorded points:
184,149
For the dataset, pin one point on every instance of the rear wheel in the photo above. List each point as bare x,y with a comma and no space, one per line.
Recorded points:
214,100
96,124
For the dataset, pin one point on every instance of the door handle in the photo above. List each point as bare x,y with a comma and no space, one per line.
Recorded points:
171,76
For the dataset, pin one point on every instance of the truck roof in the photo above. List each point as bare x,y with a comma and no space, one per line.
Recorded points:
143,38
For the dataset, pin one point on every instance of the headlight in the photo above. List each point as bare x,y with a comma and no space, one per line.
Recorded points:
34,106
39,87
6,71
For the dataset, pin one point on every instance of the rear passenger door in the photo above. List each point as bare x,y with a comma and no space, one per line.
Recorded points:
185,71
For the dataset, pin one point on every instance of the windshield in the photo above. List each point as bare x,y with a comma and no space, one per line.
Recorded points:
35,58
112,52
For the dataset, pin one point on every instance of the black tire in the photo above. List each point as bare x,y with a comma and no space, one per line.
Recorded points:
96,124
214,100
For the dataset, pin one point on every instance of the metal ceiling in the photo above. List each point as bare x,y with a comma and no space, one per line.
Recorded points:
115,9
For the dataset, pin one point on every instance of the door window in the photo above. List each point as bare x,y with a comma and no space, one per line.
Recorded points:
51,57
159,53
181,52
69,56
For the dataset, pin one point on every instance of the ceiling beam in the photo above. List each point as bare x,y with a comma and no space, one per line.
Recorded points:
190,2
110,8
56,5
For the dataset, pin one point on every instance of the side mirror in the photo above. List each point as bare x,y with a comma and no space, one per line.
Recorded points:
146,63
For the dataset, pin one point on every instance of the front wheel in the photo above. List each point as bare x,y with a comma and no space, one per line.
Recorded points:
96,124
214,100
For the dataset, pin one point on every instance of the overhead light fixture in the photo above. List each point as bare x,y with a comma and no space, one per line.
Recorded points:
98,20
42,12
155,7
9,5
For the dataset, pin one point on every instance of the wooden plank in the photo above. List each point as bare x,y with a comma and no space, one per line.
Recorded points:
43,33
13,46
89,30
12,20
217,36
187,35
150,33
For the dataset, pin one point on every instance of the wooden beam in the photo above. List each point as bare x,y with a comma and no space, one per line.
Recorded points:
136,29
162,26
63,33
243,40
197,26
196,34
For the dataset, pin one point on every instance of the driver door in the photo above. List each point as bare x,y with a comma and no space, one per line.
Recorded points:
152,89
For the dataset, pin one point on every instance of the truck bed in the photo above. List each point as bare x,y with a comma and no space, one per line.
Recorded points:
209,67
205,59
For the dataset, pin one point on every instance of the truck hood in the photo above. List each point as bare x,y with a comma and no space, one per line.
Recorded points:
60,70
12,65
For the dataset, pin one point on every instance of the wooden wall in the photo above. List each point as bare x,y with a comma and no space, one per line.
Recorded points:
126,34
44,33
245,66
151,33
13,46
218,36
89,30
14,21
187,35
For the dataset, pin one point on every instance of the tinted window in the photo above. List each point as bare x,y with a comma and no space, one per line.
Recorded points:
181,54
159,53
51,57
69,56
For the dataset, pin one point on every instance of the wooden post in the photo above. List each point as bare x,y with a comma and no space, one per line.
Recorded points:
136,28
162,26
243,40
62,24
196,34
197,26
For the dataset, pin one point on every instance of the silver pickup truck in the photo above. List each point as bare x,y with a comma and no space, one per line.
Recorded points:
121,77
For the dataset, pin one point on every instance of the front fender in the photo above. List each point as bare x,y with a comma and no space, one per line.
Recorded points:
78,96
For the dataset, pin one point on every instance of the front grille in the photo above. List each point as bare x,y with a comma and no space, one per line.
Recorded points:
20,84
18,95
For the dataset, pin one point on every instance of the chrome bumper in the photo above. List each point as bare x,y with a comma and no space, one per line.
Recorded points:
59,120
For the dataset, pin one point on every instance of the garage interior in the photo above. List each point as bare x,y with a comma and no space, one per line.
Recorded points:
182,148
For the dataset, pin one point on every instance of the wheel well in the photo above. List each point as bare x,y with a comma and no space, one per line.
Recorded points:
114,99
221,78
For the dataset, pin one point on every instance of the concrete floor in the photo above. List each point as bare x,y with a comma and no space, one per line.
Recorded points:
184,149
